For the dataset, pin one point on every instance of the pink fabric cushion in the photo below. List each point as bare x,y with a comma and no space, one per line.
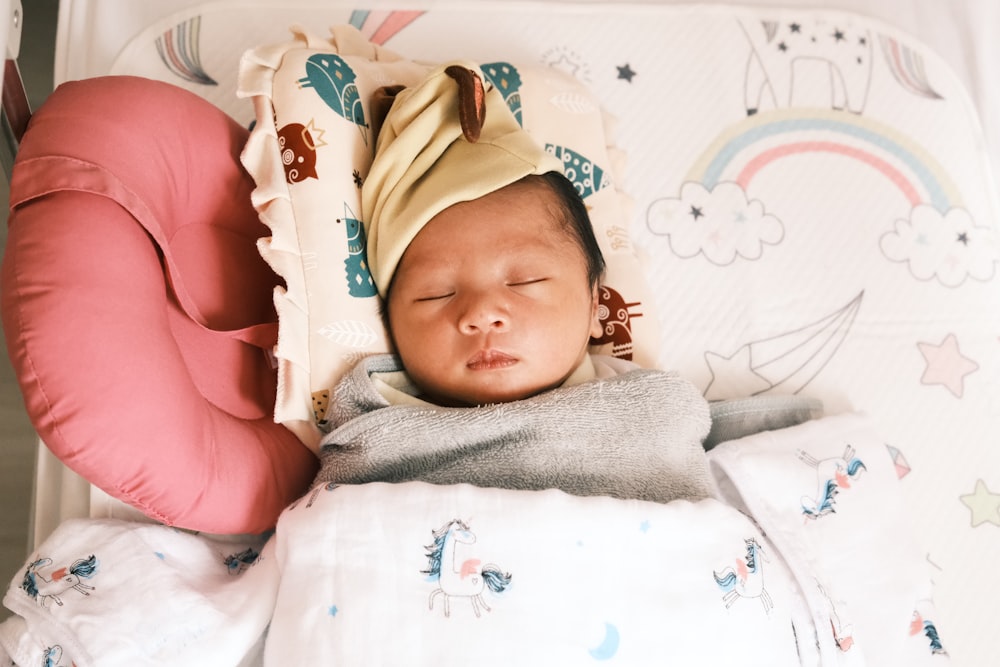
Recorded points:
138,312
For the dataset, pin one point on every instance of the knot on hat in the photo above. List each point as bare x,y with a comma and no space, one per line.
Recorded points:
471,101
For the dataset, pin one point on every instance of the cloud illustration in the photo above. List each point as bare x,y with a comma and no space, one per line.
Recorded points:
721,224
948,247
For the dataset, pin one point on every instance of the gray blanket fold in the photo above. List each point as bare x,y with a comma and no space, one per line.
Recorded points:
636,435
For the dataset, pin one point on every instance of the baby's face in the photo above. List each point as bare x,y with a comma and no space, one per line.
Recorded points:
491,301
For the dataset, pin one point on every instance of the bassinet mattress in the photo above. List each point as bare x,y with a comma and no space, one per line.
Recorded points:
812,201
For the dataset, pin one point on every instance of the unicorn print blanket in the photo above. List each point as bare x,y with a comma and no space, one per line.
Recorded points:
801,558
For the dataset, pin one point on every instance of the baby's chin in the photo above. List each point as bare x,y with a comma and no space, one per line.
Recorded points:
492,395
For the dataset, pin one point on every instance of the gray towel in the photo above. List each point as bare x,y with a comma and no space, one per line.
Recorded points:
737,418
636,435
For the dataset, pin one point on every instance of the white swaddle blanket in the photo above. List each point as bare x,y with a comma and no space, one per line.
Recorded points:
826,495
415,573
822,573
419,574
112,592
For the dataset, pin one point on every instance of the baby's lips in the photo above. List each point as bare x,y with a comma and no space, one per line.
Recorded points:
489,360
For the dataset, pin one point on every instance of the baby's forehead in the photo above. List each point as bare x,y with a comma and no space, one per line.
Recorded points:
461,234
524,217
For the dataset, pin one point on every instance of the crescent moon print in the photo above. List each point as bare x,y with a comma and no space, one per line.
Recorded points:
609,645
788,361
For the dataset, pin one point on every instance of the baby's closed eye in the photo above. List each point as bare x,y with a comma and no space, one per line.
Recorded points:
435,295
524,282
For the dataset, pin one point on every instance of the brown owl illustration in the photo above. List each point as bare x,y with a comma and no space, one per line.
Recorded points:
616,320
298,144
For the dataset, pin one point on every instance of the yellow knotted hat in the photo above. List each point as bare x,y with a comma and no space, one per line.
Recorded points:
451,138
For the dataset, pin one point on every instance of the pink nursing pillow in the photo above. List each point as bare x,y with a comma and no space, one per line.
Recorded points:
138,312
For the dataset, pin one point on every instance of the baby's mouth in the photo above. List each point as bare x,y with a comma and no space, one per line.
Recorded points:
487,360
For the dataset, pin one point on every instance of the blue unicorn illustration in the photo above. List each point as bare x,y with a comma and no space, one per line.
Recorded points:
240,562
460,578
918,624
832,475
314,494
42,587
746,579
52,656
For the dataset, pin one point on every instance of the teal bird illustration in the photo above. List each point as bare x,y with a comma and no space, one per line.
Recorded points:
507,80
359,278
585,175
334,81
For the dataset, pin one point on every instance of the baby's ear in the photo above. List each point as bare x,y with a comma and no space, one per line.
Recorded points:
381,102
596,328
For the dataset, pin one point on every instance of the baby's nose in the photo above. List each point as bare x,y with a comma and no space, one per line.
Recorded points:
484,312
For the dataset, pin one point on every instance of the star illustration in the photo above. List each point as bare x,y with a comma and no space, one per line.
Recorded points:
332,610
568,61
984,504
626,72
946,365
696,212
564,63
734,375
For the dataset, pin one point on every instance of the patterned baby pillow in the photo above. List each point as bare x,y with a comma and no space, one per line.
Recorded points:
309,153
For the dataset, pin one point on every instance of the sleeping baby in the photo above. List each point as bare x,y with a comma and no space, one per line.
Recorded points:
793,550
487,262
488,266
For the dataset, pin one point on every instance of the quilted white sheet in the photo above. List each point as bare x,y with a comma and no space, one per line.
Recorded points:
848,254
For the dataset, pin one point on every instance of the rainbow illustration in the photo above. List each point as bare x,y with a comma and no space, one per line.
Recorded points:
746,148
180,50
378,27
907,66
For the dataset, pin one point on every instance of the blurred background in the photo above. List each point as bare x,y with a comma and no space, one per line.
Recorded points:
17,438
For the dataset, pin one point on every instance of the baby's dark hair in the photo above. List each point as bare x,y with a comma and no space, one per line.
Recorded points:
575,219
